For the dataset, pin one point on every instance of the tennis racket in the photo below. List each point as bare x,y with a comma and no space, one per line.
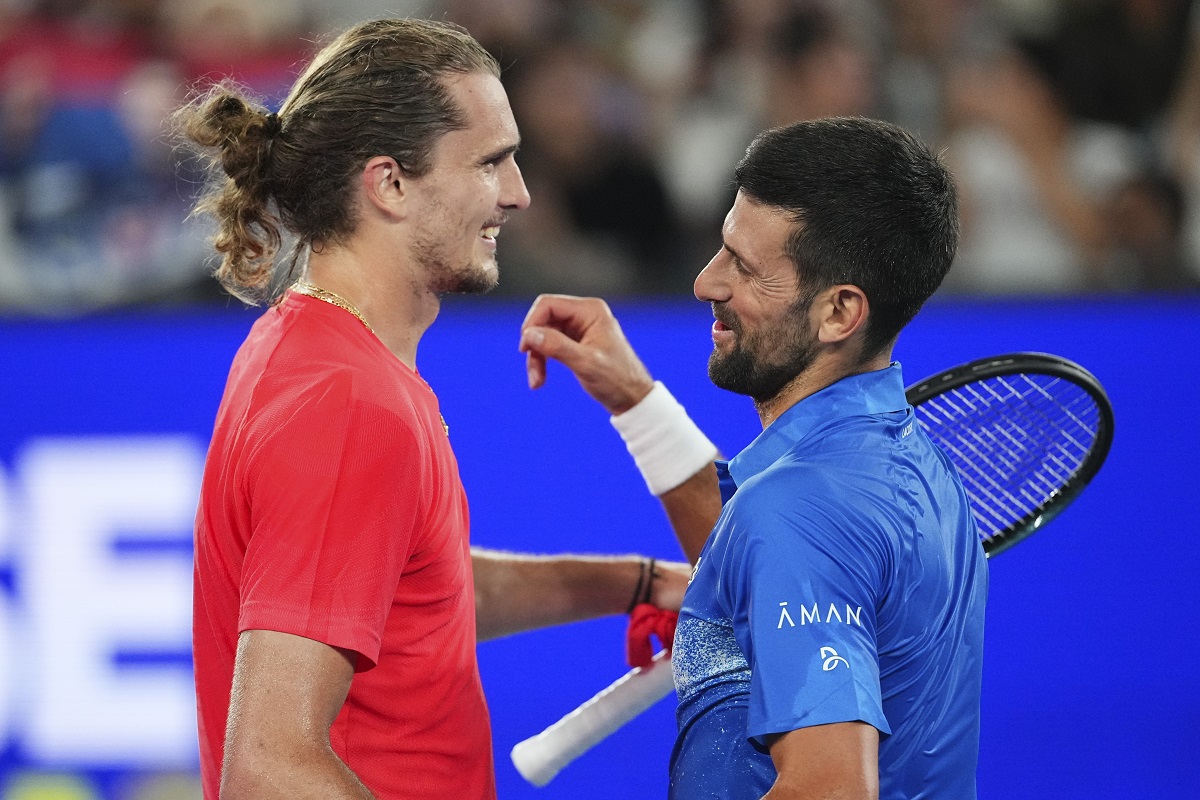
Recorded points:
1026,431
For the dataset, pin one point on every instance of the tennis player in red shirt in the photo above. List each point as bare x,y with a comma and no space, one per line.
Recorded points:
337,600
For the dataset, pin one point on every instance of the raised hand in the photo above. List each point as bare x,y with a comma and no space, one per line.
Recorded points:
583,334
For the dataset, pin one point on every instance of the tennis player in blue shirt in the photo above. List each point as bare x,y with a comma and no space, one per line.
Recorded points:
830,642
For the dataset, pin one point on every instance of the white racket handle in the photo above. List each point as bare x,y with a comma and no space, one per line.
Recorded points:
539,758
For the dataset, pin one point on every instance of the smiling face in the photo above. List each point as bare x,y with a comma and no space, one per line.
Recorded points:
763,336
461,202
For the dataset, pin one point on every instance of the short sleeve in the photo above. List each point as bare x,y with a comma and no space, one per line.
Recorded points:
802,590
336,493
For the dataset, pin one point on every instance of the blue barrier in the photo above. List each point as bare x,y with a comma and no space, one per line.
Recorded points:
1092,624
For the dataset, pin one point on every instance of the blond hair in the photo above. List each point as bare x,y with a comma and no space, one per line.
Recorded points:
377,89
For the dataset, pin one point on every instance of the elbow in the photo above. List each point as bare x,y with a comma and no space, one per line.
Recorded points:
253,771
243,781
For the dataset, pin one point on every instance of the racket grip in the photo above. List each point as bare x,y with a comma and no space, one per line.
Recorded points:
541,757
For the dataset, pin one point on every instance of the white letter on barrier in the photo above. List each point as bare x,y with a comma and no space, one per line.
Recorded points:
86,601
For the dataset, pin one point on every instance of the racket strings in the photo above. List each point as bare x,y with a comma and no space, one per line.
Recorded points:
1016,440
1009,492
1000,494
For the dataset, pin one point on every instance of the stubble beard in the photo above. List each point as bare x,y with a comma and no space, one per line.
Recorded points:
446,277
761,364
467,279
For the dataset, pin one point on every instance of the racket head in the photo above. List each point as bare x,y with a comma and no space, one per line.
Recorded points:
1026,431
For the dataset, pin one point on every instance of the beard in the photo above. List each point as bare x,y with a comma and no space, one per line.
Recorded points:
448,270
761,363
467,279
446,276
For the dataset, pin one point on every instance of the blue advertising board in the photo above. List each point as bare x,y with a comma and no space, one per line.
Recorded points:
1091,639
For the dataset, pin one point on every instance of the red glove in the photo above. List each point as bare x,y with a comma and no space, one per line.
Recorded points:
645,620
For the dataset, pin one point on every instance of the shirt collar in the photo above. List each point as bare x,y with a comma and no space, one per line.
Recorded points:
877,392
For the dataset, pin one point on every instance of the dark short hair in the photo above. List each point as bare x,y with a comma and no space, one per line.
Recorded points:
380,88
873,206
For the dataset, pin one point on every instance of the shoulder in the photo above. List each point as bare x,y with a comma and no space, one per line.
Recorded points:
325,402
791,490
777,510
303,362
802,512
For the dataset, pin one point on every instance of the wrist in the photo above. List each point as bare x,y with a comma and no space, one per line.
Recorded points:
632,399
644,589
665,443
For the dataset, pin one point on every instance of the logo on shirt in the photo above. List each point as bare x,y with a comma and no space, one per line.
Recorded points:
832,659
812,615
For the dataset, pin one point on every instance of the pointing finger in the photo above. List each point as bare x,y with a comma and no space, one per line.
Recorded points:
535,369
549,343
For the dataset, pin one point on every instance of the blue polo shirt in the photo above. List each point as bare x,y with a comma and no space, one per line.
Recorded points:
843,581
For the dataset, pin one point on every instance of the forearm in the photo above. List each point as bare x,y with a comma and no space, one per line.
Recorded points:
520,592
793,787
692,509
839,761
299,772
287,690
676,461
673,455
802,787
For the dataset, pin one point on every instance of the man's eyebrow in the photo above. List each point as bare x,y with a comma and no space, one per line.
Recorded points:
736,255
500,155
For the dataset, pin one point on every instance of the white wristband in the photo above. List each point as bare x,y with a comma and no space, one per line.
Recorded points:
665,444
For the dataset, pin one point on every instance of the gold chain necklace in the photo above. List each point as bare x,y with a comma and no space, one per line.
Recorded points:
333,299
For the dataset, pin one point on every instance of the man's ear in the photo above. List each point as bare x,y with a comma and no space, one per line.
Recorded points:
386,186
842,311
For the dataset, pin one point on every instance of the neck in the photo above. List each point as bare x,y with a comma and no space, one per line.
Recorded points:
822,373
395,303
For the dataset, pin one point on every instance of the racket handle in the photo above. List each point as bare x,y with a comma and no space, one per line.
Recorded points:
539,758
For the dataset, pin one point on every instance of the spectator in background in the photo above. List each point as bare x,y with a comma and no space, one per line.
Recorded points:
26,89
66,62
922,40
1122,62
801,62
1034,181
94,216
509,29
667,94
711,127
603,221
25,96
1057,143
1146,218
85,47
1183,144
260,44
1119,61
819,67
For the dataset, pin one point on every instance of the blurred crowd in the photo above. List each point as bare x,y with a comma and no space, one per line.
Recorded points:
1073,127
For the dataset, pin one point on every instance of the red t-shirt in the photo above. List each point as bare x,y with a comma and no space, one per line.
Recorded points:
332,508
